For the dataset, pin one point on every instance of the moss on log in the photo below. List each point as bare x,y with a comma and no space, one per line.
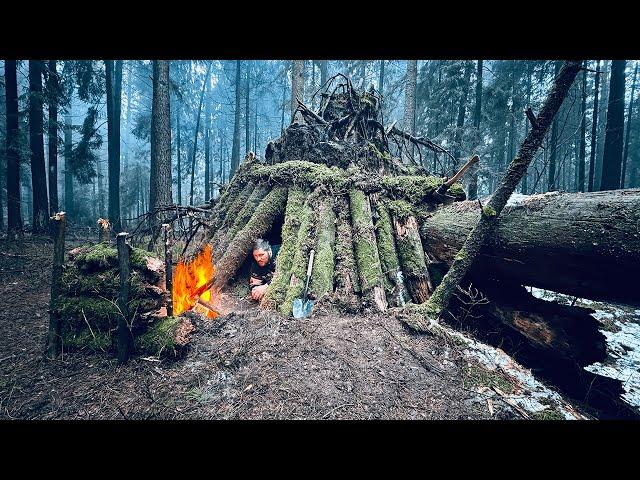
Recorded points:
167,336
392,274
324,262
303,246
244,215
220,240
366,250
347,284
412,258
261,221
297,213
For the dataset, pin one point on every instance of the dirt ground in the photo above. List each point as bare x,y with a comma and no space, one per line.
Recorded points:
247,364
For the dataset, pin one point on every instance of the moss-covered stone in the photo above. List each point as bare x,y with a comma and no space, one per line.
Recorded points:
324,262
296,213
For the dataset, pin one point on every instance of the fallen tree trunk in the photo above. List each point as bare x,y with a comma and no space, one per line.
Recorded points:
582,244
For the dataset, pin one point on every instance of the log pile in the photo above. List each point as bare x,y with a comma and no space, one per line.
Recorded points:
88,304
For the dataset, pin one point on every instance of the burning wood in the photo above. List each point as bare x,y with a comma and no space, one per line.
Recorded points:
192,284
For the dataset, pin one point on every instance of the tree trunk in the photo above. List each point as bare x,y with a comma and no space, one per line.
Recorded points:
36,141
439,301
409,117
473,182
235,151
178,151
195,137
629,118
594,129
551,185
297,85
125,339
114,97
207,146
581,244
161,125
53,137
53,337
462,108
14,217
583,131
612,156
68,173
529,75
247,116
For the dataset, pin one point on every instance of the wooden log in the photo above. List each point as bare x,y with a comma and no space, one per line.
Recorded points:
393,278
260,223
304,244
243,216
124,338
413,262
582,244
324,262
53,338
296,212
347,284
366,250
566,333
220,239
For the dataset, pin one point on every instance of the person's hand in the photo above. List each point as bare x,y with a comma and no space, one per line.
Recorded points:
258,292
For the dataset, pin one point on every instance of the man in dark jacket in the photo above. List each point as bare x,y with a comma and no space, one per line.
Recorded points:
262,267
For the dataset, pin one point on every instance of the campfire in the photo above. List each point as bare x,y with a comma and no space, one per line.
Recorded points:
192,283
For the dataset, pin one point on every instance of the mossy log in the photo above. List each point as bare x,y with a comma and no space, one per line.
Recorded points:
297,213
220,240
244,215
366,250
303,246
90,286
261,221
417,189
411,253
324,263
347,284
166,337
582,244
389,262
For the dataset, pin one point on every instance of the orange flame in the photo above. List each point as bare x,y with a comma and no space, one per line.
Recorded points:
188,278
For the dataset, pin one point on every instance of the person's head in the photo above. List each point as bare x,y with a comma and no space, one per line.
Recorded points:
261,252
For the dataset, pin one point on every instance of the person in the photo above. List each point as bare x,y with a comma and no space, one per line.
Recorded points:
262,267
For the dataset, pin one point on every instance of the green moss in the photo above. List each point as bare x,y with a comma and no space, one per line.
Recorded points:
244,215
365,248
324,262
104,255
105,283
488,211
413,188
295,211
385,239
373,149
457,190
475,376
96,340
461,255
296,278
231,215
160,337
302,173
548,414
400,209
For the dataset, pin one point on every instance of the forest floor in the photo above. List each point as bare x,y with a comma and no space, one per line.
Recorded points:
247,364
